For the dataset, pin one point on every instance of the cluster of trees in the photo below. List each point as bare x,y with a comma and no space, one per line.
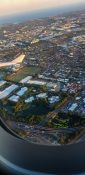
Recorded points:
67,120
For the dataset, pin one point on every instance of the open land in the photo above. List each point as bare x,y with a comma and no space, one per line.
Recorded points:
22,73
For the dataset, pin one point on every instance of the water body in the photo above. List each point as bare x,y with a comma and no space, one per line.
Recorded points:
40,14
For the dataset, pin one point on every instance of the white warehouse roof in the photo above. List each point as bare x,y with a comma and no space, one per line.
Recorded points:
22,91
41,95
14,98
2,83
36,82
73,107
25,80
29,100
8,91
54,99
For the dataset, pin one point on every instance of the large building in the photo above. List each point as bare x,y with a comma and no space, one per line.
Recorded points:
5,93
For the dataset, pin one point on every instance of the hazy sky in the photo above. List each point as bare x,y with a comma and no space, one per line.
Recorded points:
18,6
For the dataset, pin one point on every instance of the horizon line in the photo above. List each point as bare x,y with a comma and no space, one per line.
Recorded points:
40,10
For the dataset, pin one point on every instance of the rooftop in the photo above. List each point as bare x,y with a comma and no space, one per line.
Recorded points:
14,98
29,100
22,91
8,91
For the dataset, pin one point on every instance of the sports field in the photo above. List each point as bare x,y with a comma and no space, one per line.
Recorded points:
23,72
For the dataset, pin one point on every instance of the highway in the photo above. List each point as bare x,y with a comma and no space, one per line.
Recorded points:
20,155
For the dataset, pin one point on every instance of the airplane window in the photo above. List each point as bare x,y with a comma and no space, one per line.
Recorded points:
42,70
42,76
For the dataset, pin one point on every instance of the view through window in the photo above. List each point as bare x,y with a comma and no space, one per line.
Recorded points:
42,70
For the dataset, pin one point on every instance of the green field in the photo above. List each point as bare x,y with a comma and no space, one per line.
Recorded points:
23,72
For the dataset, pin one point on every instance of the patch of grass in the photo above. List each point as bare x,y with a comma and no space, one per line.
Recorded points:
23,72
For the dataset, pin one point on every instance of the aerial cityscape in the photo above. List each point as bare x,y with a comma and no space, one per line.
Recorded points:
42,78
